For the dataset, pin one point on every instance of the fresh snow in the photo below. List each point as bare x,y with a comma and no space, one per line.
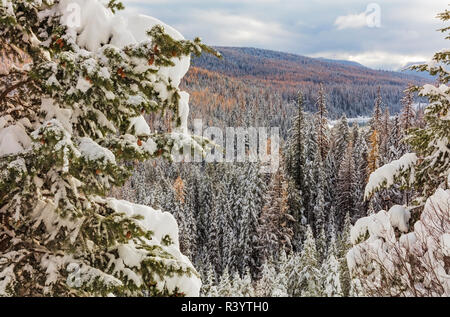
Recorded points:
13,138
163,225
385,175
140,126
428,241
93,152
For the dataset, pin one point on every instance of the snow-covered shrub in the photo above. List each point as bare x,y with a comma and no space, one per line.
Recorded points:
396,260
405,251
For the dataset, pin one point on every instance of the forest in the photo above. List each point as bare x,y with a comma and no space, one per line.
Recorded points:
96,108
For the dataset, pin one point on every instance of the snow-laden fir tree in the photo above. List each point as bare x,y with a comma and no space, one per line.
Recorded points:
343,245
404,251
280,286
407,112
346,200
310,275
266,283
252,190
70,119
209,287
385,134
341,136
322,123
376,122
246,285
225,287
312,172
319,210
360,159
296,168
331,272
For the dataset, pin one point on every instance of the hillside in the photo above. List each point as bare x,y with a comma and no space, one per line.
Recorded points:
351,87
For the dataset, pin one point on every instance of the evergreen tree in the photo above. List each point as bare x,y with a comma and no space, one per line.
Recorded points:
331,173
343,246
209,288
331,273
360,158
310,273
312,173
322,123
246,287
341,139
251,190
376,122
346,186
225,287
296,168
385,135
321,245
236,285
83,96
319,206
266,284
407,115
280,286
293,272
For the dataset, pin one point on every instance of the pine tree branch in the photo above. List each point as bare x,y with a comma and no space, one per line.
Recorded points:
12,88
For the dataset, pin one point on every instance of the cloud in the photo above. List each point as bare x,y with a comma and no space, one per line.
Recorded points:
235,29
346,28
351,21
378,59
369,18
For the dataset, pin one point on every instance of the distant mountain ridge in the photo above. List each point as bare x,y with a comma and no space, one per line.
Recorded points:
350,87
245,61
341,61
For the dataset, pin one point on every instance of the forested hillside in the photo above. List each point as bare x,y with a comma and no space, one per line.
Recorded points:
108,187
351,88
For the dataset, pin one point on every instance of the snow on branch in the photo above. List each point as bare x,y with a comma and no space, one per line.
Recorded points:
386,175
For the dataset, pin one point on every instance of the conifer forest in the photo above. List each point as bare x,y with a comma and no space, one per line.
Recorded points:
115,179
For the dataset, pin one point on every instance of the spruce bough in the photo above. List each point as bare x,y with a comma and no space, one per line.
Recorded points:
71,116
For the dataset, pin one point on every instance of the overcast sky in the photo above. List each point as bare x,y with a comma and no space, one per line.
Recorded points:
386,34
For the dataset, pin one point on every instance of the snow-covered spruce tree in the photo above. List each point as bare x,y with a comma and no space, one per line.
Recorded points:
346,184
309,193
385,135
296,168
360,156
376,121
311,276
225,287
246,285
69,121
322,123
342,137
209,287
331,272
266,283
404,251
344,244
407,114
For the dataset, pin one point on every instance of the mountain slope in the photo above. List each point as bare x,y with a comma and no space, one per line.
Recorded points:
351,87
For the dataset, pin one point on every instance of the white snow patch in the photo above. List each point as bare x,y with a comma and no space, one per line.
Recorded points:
93,152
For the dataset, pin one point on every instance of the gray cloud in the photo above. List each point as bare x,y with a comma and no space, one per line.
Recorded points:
327,28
